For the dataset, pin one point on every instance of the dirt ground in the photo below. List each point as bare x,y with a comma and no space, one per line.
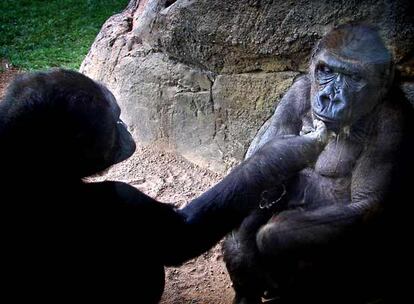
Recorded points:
171,179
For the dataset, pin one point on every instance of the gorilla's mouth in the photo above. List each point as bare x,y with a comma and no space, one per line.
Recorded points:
324,118
331,124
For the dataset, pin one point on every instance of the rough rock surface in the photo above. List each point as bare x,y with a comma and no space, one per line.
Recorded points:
200,77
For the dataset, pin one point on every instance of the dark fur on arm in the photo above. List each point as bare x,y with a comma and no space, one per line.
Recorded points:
222,208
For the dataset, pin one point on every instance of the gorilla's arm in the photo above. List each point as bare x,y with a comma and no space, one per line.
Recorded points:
287,119
209,217
293,230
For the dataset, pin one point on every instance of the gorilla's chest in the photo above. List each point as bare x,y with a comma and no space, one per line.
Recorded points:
330,179
338,158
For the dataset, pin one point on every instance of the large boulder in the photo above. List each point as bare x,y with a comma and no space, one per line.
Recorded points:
200,77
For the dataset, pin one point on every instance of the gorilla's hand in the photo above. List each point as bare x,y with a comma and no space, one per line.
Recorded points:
319,132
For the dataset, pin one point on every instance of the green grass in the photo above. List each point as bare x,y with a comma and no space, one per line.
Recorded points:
37,34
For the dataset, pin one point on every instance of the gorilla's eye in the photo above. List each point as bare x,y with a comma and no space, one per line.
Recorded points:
325,69
356,81
356,78
324,74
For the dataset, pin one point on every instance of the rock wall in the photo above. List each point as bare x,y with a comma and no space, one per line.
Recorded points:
200,77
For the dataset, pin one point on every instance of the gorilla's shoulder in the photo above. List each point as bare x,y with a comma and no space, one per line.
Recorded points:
301,88
302,80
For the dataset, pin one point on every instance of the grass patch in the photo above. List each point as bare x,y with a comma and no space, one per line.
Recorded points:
39,34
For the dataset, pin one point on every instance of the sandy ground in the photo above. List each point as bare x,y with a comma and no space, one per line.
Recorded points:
171,179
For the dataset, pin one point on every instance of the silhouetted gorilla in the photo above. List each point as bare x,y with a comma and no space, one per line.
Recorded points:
328,240
70,240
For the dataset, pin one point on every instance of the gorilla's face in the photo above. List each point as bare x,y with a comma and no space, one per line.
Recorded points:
343,91
124,143
108,141
351,71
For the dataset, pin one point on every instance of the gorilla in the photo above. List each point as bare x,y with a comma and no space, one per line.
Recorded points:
66,239
334,232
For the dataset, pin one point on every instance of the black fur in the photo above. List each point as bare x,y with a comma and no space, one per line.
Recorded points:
66,239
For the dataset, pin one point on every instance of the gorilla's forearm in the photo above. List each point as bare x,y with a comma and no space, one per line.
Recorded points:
292,231
222,208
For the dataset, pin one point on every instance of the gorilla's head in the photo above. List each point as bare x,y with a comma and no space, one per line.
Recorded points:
351,72
63,123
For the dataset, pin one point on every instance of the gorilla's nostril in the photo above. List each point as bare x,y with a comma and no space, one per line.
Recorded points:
336,100
324,100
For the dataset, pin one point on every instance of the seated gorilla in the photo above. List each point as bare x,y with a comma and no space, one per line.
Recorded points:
69,240
329,238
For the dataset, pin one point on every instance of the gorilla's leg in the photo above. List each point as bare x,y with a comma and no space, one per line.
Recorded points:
242,259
